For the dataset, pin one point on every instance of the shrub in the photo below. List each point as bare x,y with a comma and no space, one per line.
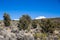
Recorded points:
6,19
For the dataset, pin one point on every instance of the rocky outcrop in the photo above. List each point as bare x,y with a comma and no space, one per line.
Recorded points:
14,34
21,35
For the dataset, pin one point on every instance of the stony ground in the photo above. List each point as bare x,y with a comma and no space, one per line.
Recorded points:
12,33
9,34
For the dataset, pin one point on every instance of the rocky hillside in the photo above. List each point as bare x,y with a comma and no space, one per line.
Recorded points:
13,33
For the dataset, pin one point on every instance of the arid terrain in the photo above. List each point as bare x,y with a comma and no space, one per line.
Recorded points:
13,32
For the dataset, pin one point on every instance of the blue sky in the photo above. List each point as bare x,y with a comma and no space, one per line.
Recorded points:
34,8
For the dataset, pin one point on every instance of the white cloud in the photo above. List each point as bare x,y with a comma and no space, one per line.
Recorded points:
16,19
40,17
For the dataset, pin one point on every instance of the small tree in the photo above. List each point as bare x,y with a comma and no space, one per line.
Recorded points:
6,19
24,22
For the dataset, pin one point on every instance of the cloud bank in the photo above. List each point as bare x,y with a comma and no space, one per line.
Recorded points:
40,17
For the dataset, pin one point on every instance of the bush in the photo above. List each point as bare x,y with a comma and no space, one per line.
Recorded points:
24,22
40,35
6,19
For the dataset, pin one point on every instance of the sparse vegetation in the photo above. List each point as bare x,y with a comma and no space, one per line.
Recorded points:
6,19
40,35
34,23
48,26
24,22
36,29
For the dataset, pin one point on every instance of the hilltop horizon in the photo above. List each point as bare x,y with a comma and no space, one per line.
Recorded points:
38,17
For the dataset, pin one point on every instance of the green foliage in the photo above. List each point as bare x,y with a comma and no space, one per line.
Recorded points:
48,26
6,19
24,22
39,35
34,23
